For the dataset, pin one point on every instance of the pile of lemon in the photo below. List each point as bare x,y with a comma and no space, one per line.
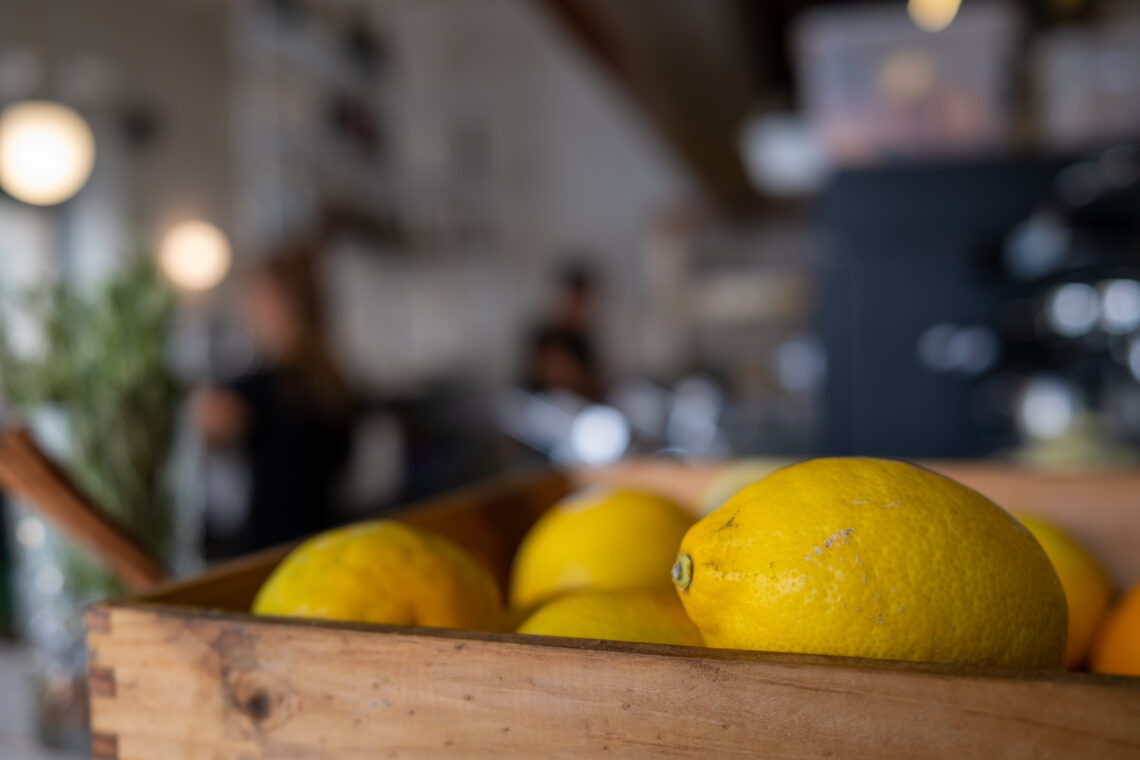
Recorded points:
856,557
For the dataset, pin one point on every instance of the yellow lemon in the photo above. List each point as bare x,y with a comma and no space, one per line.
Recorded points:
598,539
653,616
872,558
383,572
1087,588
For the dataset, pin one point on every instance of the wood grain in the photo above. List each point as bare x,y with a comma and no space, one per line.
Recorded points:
26,472
177,676
104,746
215,685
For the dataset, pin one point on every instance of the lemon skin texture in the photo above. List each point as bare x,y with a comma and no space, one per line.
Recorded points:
872,558
610,539
383,572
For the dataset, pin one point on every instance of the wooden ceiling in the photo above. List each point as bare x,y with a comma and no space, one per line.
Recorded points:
699,68
688,64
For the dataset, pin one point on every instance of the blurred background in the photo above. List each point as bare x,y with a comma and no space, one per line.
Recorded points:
270,265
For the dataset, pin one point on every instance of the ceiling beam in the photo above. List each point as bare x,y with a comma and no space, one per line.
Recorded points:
696,89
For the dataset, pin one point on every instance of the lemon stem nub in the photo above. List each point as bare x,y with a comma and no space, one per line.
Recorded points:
683,571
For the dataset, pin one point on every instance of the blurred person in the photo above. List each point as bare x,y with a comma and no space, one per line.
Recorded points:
561,354
291,417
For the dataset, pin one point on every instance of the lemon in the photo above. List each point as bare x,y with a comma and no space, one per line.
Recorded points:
653,616
598,539
1087,588
383,572
872,558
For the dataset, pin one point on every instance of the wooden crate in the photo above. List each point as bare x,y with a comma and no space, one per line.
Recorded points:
185,672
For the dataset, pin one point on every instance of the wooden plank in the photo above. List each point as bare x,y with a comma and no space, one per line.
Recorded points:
104,746
218,685
227,586
26,472
489,519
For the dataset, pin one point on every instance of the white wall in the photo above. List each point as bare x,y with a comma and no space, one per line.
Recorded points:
576,168
607,175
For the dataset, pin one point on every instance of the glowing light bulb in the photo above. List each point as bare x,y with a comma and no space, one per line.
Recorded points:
599,435
47,152
195,255
933,15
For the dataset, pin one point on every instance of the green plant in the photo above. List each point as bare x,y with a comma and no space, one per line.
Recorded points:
103,360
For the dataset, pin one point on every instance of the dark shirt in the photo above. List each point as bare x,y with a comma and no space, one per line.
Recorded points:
296,447
562,358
